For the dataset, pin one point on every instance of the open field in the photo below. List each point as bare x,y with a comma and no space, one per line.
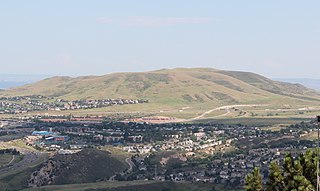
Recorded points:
254,121
18,144
310,136
257,113
276,127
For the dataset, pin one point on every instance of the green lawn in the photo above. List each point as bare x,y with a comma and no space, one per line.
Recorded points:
5,159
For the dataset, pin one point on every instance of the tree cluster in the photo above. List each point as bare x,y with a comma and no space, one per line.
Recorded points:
9,151
295,174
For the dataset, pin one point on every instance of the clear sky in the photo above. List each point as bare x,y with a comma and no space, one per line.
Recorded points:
84,37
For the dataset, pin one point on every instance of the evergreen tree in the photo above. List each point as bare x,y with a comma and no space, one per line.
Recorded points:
295,179
254,181
295,175
289,171
309,165
276,179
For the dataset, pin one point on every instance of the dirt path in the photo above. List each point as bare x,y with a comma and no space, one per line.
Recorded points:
129,170
13,157
131,164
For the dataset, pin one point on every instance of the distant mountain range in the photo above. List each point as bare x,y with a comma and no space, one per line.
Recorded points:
310,83
175,87
14,80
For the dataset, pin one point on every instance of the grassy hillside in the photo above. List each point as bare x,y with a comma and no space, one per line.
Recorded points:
134,186
23,165
162,86
16,180
88,165
197,89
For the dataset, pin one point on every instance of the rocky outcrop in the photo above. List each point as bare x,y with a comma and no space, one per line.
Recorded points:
45,175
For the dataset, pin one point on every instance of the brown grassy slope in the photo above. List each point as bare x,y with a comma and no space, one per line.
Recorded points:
179,86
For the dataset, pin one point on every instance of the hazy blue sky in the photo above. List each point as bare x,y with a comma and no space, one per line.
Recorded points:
82,37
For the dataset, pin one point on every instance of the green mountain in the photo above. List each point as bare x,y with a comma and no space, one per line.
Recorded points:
179,86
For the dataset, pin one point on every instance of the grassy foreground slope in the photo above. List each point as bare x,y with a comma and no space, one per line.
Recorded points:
133,186
197,89
89,165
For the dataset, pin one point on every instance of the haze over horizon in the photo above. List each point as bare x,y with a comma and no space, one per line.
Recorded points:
274,39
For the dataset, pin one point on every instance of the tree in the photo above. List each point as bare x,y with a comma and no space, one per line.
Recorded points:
309,165
276,179
295,179
254,181
296,174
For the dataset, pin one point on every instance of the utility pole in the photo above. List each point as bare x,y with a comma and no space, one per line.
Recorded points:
318,146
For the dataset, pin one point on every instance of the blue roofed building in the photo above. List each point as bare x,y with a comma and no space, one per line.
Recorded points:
42,133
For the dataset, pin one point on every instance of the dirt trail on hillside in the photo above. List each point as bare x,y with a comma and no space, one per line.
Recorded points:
128,171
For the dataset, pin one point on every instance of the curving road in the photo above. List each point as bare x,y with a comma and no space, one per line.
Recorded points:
13,157
27,161
226,107
30,158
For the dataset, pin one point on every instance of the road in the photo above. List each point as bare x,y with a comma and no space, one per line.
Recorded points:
30,158
27,161
13,157
226,107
